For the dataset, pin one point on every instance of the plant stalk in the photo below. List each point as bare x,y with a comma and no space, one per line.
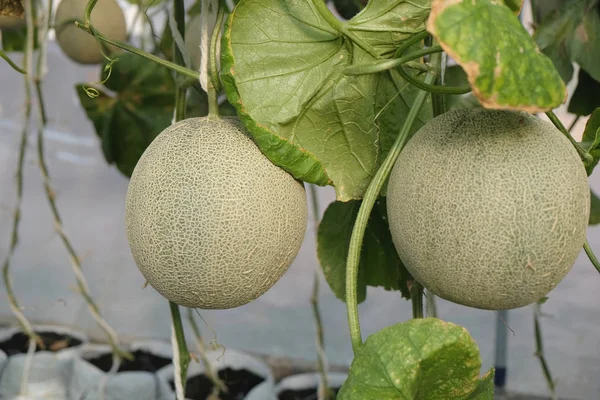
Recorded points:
585,156
591,255
181,355
340,26
11,62
381,66
51,197
364,212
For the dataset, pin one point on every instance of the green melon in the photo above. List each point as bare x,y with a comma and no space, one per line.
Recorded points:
78,45
211,222
10,23
488,209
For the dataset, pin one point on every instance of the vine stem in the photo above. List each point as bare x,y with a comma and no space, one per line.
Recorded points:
539,351
358,231
181,354
82,284
11,62
324,393
87,26
12,299
381,66
591,255
575,120
218,384
209,57
339,26
585,156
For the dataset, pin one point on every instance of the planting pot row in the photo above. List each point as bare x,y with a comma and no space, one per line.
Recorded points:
71,368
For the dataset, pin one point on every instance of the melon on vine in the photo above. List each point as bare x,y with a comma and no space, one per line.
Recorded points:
80,46
488,208
211,222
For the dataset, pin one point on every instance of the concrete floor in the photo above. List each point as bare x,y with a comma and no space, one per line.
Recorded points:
91,195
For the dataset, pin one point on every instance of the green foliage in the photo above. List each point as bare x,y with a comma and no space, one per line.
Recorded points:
419,359
586,97
303,112
13,40
379,264
141,108
496,52
594,209
485,387
456,76
590,140
571,33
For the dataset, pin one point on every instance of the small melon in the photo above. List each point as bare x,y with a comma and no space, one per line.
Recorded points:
488,208
10,23
211,222
78,45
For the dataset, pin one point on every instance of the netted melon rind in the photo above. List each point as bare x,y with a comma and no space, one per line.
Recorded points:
488,209
211,222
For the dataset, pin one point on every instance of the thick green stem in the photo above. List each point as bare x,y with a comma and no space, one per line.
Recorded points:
432,88
381,66
339,26
364,212
575,120
585,156
416,298
182,350
591,255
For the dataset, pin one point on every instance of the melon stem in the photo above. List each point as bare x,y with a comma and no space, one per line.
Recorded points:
211,72
585,156
362,218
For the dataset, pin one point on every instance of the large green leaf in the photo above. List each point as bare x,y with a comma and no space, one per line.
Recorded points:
572,33
142,107
421,359
380,264
586,97
590,140
503,64
283,70
379,23
485,387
